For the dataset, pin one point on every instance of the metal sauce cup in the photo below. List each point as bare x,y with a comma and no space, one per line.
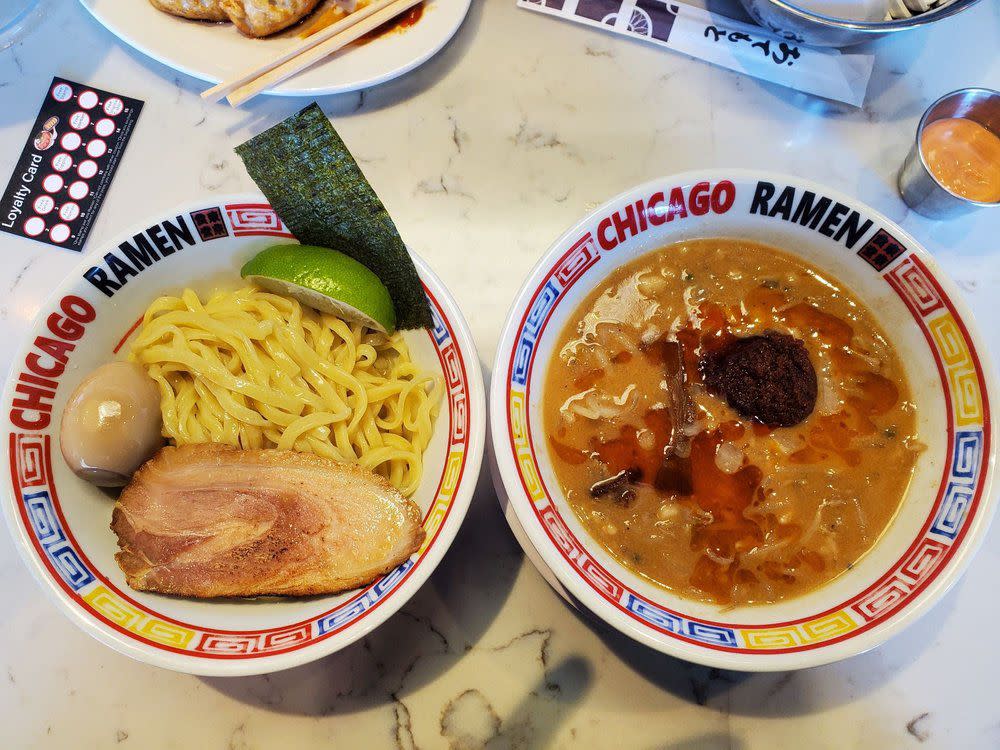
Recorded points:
918,186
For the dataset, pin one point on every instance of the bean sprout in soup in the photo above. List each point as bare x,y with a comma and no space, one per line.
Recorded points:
730,422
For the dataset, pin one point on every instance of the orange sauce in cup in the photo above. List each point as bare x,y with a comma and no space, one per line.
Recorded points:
964,157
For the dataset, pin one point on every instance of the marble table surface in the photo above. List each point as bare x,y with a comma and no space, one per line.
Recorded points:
483,156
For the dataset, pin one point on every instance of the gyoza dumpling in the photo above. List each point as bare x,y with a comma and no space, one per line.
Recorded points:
265,17
202,10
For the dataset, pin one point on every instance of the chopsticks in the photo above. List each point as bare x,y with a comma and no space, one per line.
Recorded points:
308,51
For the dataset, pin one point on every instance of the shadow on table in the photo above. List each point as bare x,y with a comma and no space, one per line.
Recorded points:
778,694
889,98
468,721
709,741
427,637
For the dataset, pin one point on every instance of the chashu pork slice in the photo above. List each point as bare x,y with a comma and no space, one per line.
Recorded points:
213,521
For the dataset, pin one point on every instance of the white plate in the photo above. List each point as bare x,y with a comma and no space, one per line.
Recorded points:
214,52
60,523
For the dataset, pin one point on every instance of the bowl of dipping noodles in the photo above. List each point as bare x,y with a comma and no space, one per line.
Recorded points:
82,415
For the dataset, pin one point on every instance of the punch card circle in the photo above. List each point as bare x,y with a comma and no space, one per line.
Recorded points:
105,127
53,183
69,211
43,204
79,190
87,100
87,169
97,148
79,120
113,106
34,226
62,92
62,162
71,141
59,233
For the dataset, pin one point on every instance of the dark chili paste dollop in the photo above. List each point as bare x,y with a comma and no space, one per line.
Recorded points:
767,377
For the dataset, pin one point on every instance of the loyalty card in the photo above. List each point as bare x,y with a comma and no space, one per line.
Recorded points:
68,163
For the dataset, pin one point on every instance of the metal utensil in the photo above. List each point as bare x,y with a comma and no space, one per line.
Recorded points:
787,20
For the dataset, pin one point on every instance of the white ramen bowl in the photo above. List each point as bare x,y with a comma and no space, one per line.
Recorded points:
945,513
60,523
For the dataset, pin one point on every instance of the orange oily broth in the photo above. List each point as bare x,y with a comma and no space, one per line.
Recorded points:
773,513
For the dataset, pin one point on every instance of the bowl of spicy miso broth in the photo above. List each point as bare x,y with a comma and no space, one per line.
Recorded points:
744,419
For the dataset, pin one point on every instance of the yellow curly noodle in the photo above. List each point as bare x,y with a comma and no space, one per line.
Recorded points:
253,369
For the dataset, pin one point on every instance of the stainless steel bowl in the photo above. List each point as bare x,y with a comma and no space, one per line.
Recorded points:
788,21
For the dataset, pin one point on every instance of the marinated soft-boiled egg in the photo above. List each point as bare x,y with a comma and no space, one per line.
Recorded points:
112,424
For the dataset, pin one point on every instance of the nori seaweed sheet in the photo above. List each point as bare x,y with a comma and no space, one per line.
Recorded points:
316,187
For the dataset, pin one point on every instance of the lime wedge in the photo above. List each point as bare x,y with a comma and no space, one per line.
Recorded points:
326,280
